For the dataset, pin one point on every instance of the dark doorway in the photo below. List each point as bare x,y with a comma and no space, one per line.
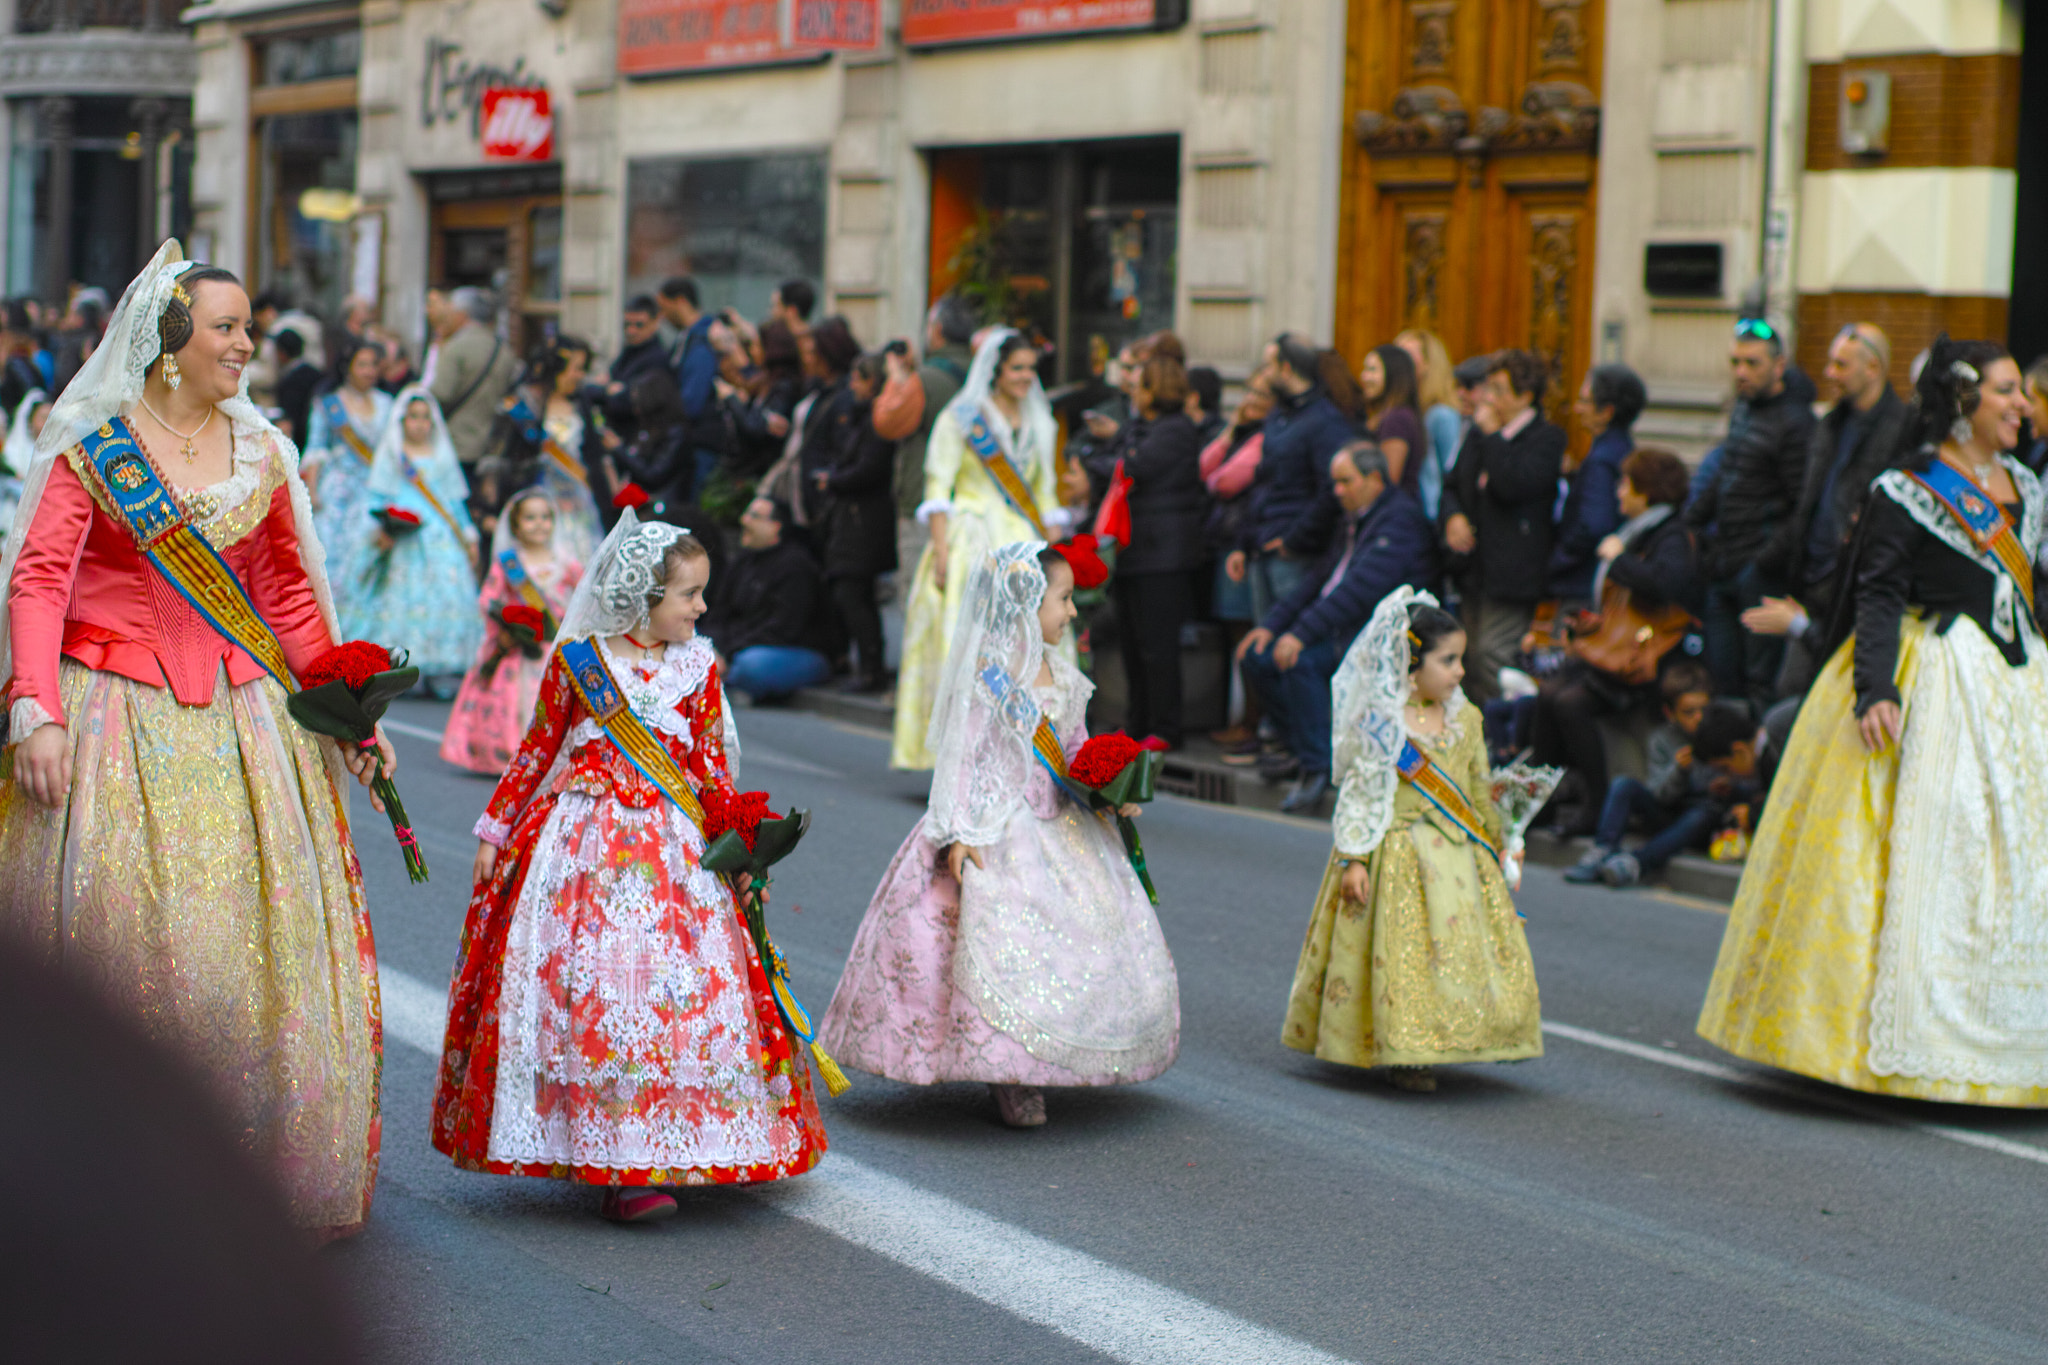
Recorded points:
2027,330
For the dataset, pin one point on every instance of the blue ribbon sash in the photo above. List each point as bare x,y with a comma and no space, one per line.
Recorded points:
1004,473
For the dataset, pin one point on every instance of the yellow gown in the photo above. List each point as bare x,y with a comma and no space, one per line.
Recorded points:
978,519
1436,967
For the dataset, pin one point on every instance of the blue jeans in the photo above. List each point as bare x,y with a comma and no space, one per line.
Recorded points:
764,672
1273,581
1674,833
1298,699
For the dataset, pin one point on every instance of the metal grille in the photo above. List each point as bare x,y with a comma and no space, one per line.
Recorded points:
1234,63
1708,32
1705,189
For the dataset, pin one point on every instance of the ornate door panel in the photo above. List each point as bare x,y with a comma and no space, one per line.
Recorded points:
1468,182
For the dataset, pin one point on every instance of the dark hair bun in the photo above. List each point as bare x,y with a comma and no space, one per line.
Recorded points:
1428,627
174,328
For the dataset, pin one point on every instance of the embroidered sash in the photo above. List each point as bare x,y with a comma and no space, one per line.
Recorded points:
1982,520
180,553
412,476
521,582
344,430
1437,788
536,432
600,694
982,441
1016,704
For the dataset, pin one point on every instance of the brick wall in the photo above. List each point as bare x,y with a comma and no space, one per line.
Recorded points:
1910,320
1946,111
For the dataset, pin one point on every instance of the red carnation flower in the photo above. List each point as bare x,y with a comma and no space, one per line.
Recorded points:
741,812
519,614
1086,562
397,515
1102,757
354,663
630,495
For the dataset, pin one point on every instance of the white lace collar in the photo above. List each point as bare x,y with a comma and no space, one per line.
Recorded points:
1454,724
2009,616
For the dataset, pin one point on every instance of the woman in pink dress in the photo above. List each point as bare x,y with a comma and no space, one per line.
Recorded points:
529,567
1010,942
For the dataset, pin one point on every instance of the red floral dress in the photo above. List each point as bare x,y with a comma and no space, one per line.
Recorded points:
609,1021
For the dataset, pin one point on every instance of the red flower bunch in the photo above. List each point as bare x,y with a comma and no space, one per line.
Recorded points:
1085,559
519,614
739,812
395,518
354,663
1102,757
630,495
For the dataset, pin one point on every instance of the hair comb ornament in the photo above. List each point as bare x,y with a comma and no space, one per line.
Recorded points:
178,293
1414,640
1965,371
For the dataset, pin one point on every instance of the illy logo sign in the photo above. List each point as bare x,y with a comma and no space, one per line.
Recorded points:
518,125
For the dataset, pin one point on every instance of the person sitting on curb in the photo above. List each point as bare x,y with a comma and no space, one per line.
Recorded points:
1713,777
767,625
1291,656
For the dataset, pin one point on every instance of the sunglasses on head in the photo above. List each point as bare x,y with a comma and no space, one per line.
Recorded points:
1757,328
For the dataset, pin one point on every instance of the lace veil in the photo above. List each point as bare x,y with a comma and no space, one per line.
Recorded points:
612,597
1034,438
504,538
1367,727
440,471
984,714
108,385
20,451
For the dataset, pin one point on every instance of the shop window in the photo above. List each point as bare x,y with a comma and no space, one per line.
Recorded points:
739,225
544,253
306,205
298,58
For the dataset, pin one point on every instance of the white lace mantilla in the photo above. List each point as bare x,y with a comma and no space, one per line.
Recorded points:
682,670
2009,615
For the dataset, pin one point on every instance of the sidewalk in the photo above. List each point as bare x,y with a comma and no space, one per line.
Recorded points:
1199,773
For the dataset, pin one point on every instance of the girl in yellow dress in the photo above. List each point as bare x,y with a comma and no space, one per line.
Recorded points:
1891,931
1415,955
1002,410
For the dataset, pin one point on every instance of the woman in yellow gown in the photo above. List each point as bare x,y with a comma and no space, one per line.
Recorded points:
1891,931
1415,955
1003,407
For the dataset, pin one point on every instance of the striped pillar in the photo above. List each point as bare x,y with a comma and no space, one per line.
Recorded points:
1918,237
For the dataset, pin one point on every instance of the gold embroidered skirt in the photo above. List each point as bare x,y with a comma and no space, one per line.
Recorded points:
201,878
1891,931
1434,969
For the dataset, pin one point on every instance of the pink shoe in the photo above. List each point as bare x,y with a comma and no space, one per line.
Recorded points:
1022,1106
636,1204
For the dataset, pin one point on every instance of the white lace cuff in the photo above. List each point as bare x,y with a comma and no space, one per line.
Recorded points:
492,832
929,506
25,717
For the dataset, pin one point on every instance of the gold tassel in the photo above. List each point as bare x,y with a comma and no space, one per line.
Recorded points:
836,1083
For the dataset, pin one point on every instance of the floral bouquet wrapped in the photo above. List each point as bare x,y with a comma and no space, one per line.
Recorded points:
1114,770
1520,790
343,694
743,837
396,524
520,627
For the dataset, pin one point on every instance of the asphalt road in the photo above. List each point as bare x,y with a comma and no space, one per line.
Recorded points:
1633,1195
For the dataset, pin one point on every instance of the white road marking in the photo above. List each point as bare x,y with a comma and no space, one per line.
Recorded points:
399,727
1679,1061
1121,1315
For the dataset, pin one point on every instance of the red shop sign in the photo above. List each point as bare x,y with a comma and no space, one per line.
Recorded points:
968,21
659,36
518,125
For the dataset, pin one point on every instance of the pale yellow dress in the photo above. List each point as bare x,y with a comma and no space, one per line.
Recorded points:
978,519
1435,968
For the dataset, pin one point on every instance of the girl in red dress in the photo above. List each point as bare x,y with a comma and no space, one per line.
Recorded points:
609,1021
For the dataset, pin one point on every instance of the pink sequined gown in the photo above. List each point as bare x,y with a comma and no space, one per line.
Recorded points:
491,715
1048,968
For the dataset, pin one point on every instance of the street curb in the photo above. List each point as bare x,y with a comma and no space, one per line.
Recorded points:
1192,774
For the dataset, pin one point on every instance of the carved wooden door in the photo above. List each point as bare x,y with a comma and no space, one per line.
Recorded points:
1469,178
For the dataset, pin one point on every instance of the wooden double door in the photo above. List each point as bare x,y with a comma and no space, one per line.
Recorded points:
1469,176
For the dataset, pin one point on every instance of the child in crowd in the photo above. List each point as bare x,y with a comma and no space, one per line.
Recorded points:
1688,689
1415,955
610,1022
528,569
1010,942
1707,781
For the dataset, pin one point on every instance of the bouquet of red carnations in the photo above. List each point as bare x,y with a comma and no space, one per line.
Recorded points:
1115,770
343,694
631,495
396,524
743,837
520,627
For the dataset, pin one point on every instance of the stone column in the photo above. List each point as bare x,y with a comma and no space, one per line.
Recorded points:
150,116
56,118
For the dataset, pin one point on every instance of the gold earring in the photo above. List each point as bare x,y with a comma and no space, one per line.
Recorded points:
171,375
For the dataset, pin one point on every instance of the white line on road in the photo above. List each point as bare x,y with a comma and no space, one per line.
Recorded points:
1121,1315
1679,1061
749,753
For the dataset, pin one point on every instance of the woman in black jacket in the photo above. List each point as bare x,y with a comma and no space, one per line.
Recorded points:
833,352
1652,555
659,458
858,504
1154,584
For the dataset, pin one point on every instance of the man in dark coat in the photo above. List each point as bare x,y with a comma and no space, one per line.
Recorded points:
767,625
1294,651
1496,512
1751,506
641,355
1305,428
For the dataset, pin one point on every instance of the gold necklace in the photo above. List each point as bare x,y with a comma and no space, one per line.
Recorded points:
187,450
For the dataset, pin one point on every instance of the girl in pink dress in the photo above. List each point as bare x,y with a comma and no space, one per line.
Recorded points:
529,567
1010,942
